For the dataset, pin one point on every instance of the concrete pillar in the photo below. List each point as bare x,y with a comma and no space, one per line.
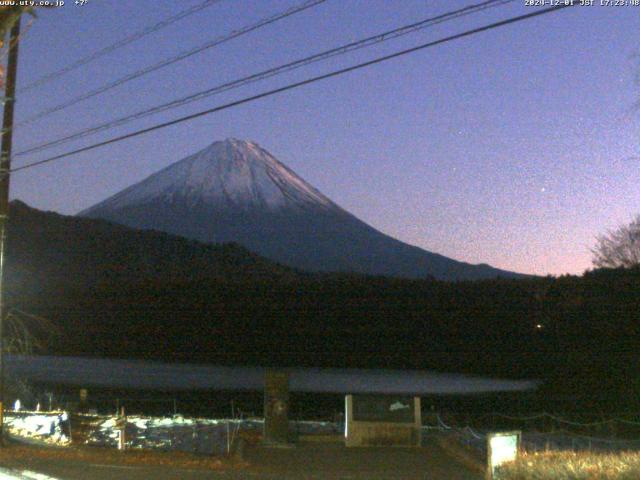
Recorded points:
276,407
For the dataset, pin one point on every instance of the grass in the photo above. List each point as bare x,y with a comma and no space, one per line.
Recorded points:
573,466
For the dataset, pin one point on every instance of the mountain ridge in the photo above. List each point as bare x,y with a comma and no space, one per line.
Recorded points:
47,249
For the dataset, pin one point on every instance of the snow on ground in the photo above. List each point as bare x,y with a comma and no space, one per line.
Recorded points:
195,435
51,427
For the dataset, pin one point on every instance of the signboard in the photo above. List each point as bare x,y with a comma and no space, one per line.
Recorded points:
502,447
392,409
382,420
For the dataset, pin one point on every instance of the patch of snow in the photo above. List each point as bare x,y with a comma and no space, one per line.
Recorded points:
198,435
50,428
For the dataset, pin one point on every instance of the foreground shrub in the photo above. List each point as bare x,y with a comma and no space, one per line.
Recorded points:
573,466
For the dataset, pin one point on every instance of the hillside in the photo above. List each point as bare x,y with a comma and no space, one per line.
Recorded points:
46,249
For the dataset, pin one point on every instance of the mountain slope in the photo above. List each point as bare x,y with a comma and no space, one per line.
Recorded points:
235,191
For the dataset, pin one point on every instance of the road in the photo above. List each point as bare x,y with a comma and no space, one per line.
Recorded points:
304,461
75,470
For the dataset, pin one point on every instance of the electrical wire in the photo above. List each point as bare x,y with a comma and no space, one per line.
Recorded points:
292,86
344,49
119,44
170,61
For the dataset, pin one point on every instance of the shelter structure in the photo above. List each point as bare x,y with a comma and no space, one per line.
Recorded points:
382,406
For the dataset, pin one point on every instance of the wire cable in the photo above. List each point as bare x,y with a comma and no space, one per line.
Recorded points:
119,44
344,49
292,86
170,61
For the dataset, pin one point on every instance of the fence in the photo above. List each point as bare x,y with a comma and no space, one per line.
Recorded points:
553,437
204,435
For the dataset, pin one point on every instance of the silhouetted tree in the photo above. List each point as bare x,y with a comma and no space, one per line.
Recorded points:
618,248
26,333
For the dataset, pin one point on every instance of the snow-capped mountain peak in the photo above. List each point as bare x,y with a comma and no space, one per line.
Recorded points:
230,173
235,191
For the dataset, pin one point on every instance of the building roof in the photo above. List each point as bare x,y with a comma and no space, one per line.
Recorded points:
144,375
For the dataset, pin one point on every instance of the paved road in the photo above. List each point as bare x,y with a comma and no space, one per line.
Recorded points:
335,462
307,461
74,470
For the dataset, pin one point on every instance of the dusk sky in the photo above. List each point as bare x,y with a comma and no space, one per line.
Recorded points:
514,147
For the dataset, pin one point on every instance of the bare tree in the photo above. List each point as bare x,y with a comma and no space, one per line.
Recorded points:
618,248
26,332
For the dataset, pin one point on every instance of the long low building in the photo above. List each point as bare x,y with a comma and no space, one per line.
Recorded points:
145,375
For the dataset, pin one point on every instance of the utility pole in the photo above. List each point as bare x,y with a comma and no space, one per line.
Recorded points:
5,168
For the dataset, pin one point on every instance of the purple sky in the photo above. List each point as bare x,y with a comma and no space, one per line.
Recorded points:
514,147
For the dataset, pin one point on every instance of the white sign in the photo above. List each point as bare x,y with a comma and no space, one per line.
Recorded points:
502,447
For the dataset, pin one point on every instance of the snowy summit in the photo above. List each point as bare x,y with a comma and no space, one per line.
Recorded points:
228,174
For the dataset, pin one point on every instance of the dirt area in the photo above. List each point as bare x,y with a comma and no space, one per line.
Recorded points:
306,460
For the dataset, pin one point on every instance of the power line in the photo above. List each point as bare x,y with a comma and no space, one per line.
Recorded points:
119,44
295,85
169,61
366,42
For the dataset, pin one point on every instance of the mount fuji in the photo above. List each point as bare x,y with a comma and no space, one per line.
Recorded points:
235,191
